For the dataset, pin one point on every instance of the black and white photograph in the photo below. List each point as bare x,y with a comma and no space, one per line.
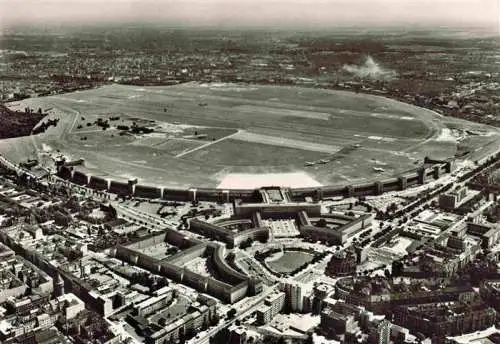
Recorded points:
249,171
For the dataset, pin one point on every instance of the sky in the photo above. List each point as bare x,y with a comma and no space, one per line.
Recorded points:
255,13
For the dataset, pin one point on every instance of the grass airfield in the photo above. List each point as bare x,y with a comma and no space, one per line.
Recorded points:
207,134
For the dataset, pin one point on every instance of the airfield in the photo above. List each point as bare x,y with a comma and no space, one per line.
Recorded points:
233,136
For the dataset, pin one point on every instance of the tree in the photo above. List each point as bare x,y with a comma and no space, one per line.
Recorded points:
264,238
61,219
321,223
397,268
215,320
392,207
231,313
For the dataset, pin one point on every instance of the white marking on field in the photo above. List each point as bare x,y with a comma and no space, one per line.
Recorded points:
378,162
205,145
89,131
234,89
73,123
284,142
46,148
133,96
251,109
254,181
384,115
381,138
70,99
221,86
173,128
155,135
214,84
446,135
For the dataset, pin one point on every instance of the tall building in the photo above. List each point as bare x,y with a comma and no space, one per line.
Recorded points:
293,296
237,335
452,199
380,333
264,315
276,301
273,304
58,286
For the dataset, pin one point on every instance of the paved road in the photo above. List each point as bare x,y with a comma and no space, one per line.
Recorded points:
207,144
205,336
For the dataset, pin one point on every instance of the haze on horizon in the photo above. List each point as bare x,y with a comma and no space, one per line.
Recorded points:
254,13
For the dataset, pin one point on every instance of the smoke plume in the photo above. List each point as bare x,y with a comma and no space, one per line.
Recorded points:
370,70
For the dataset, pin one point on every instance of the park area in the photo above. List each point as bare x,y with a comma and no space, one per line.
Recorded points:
288,261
